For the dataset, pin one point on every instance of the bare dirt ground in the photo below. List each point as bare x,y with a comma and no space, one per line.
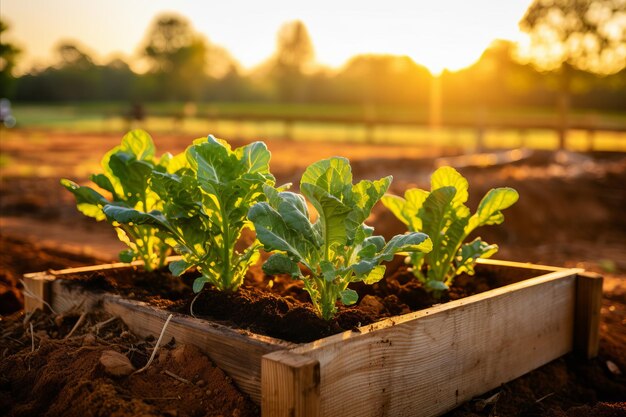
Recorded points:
570,213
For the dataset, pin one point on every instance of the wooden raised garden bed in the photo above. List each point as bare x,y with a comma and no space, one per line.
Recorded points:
419,364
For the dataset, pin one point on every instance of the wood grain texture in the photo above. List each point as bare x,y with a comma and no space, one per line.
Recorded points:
419,364
428,362
587,320
290,385
37,291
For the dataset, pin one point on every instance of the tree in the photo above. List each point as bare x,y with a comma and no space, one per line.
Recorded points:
71,56
588,35
177,57
294,56
74,75
377,80
8,55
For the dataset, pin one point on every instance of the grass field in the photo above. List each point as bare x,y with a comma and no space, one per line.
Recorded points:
333,123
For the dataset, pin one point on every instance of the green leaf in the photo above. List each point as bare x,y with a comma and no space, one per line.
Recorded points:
436,211
396,204
333,175
127,215
375,275
292,208
173,164
273,232
349,296
255,157
415,199
138,143
104,182
469,252
377,241
213,163
489,209
198,284
132,175
88,201
332,215
280,263
127,256
328,271
177,268
365,195
178,194
450,177
410,242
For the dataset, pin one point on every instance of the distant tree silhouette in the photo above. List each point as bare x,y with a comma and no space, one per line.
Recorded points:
71,56
575,34
177,58
74,74
294,54
384,79
8,56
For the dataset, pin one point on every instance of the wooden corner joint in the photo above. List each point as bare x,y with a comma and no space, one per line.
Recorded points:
587,314
36,291
290,385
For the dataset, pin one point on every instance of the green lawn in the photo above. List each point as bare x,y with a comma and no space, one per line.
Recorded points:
341,123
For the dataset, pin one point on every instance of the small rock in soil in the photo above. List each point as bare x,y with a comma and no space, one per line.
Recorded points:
116,364
372,305
89,339
613,368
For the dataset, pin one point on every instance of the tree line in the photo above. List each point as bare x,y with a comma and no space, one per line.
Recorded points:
183,65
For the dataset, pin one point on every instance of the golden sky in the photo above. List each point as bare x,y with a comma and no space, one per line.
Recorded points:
438,34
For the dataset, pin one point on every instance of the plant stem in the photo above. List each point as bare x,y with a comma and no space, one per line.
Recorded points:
226,269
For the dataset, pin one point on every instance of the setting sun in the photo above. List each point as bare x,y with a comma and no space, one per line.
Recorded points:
447,34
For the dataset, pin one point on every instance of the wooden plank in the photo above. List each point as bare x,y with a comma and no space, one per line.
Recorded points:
432,359
521,265
95,268
290,385
428,362
236,352
587,320
36,291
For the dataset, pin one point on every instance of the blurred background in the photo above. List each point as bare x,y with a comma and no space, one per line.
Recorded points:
543,75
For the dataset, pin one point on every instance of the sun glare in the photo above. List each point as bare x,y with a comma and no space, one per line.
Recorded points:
447,34
451,34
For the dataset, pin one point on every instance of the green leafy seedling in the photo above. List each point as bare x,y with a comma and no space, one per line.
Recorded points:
205,208
443,215
127,169
338,248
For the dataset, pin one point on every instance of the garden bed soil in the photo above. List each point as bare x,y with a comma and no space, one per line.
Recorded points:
19,256
279,306
555,235
46,373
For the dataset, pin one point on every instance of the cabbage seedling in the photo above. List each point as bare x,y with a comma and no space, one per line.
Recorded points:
205,208
442,214
336,249
127,168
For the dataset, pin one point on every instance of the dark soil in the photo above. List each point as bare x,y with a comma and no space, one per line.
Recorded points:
18,256
280,307
43,373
